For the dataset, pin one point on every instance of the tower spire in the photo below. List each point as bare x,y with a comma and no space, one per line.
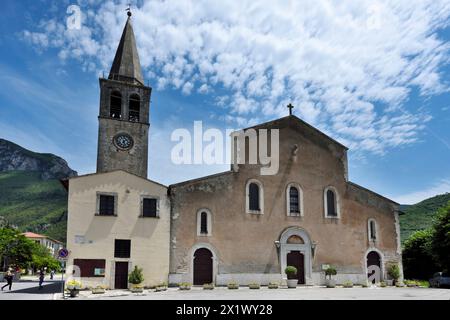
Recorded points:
126,66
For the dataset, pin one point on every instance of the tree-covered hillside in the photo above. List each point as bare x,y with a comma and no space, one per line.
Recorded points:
420,215
33,204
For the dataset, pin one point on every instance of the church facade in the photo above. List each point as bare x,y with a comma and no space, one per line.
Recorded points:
236,226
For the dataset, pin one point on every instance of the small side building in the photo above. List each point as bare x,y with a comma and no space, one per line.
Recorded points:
51,244
117,220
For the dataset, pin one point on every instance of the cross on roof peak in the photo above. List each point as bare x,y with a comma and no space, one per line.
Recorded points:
290,107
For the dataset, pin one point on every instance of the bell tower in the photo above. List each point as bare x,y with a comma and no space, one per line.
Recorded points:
124,111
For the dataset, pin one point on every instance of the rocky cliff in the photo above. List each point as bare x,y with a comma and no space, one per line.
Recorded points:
15,158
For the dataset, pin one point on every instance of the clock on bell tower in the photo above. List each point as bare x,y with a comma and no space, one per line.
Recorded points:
124,111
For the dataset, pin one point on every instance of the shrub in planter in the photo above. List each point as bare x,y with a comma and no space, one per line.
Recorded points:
73,287
98,290
161,287
185,286
382,284
208,286
394,272
291,273
233,285
348,284
329,272
136,277
254,285
399,284
365,284
411,283
273,285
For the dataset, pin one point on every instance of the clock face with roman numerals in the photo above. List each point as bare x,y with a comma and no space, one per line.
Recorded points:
123,141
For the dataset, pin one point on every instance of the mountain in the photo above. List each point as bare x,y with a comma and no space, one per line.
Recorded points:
31,197
420,215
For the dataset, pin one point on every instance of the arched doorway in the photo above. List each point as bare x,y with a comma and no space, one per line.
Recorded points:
374,266
203,266
295,250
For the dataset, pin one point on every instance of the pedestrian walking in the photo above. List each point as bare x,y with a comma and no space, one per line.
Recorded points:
9,279
52,273
41,278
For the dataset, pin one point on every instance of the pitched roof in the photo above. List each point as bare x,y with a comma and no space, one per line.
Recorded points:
126,66
33,235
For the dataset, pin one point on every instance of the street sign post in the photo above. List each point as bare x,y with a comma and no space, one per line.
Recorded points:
63,254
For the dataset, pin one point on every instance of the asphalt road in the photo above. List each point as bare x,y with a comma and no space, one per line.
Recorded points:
29,290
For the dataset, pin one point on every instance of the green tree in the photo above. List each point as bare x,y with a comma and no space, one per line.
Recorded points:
418,261
440,243
15,248
136,276
41,258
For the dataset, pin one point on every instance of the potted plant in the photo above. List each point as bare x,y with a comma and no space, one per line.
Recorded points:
329,272
233,285
394,273
184,286
382,284
348,284
291,273
273,285
411,283
208,286
161,287
136,277
254,285
98,289
73,287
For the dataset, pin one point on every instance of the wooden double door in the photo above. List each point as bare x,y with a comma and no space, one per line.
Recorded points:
297,259
203,267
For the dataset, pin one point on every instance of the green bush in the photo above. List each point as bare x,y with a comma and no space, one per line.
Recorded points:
418,261
440,243
330,271
394,271
136,276
291,272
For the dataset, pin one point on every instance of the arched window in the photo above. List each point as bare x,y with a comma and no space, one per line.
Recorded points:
253,194
203,222
134,108
331,203
372,230
294,198
115,105
255,197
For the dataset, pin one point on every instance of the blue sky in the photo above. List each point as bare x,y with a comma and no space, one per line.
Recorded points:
373,75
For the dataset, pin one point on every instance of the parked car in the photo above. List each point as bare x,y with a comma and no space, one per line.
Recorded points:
440,279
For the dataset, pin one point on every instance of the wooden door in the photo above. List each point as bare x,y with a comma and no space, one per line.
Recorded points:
203,267
296,259
121,275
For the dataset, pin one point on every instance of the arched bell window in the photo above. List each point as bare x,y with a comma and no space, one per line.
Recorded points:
115,105
372,230
134,108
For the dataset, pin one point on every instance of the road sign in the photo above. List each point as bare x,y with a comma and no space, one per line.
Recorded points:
63,253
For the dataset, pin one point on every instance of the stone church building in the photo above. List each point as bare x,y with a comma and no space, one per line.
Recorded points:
237,225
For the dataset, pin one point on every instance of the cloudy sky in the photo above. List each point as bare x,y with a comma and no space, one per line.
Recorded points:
374,75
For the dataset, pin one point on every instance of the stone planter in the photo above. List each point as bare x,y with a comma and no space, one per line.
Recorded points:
98,291
185,287
208,286
273,286
254,286
330,283
389,283
233,286
160,288
74,292
137,289
292,283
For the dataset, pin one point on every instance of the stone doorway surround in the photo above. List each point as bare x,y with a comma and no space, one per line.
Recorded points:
304,248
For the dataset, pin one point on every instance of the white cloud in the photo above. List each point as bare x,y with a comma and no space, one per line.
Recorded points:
441,187
348,67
